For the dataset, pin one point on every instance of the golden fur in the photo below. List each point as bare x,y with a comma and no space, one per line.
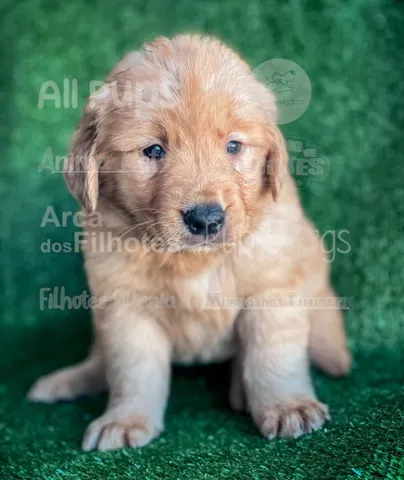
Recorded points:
193,94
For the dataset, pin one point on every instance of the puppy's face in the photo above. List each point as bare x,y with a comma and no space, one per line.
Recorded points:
183,141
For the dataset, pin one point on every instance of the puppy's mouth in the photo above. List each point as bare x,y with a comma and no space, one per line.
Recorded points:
197,243
206,241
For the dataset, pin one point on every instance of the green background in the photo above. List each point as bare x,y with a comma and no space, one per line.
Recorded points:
353,53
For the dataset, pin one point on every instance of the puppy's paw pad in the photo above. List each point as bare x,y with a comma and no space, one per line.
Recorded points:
294,418
109,434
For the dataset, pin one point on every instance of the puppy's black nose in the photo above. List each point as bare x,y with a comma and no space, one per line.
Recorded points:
206,219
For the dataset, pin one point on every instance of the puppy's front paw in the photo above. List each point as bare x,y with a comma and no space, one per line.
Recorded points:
59,386
86,378
117,429
293,418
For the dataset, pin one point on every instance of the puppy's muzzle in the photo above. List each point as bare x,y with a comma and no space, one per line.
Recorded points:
205,219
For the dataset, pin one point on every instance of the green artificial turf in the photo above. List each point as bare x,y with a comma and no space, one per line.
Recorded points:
353,53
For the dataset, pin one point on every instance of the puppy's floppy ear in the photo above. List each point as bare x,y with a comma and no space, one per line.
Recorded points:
276,164
81,171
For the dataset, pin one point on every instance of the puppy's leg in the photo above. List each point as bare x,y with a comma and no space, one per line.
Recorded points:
236,395
327,347
137,359
85,378
276,377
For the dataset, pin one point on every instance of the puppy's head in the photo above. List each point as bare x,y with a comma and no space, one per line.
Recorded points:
183,140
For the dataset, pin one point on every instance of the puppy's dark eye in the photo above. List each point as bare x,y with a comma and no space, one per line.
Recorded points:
233,147
155,152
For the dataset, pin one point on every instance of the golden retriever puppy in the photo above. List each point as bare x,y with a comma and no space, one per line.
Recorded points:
196,247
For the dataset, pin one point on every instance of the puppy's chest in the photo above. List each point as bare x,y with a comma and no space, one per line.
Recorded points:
202,323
